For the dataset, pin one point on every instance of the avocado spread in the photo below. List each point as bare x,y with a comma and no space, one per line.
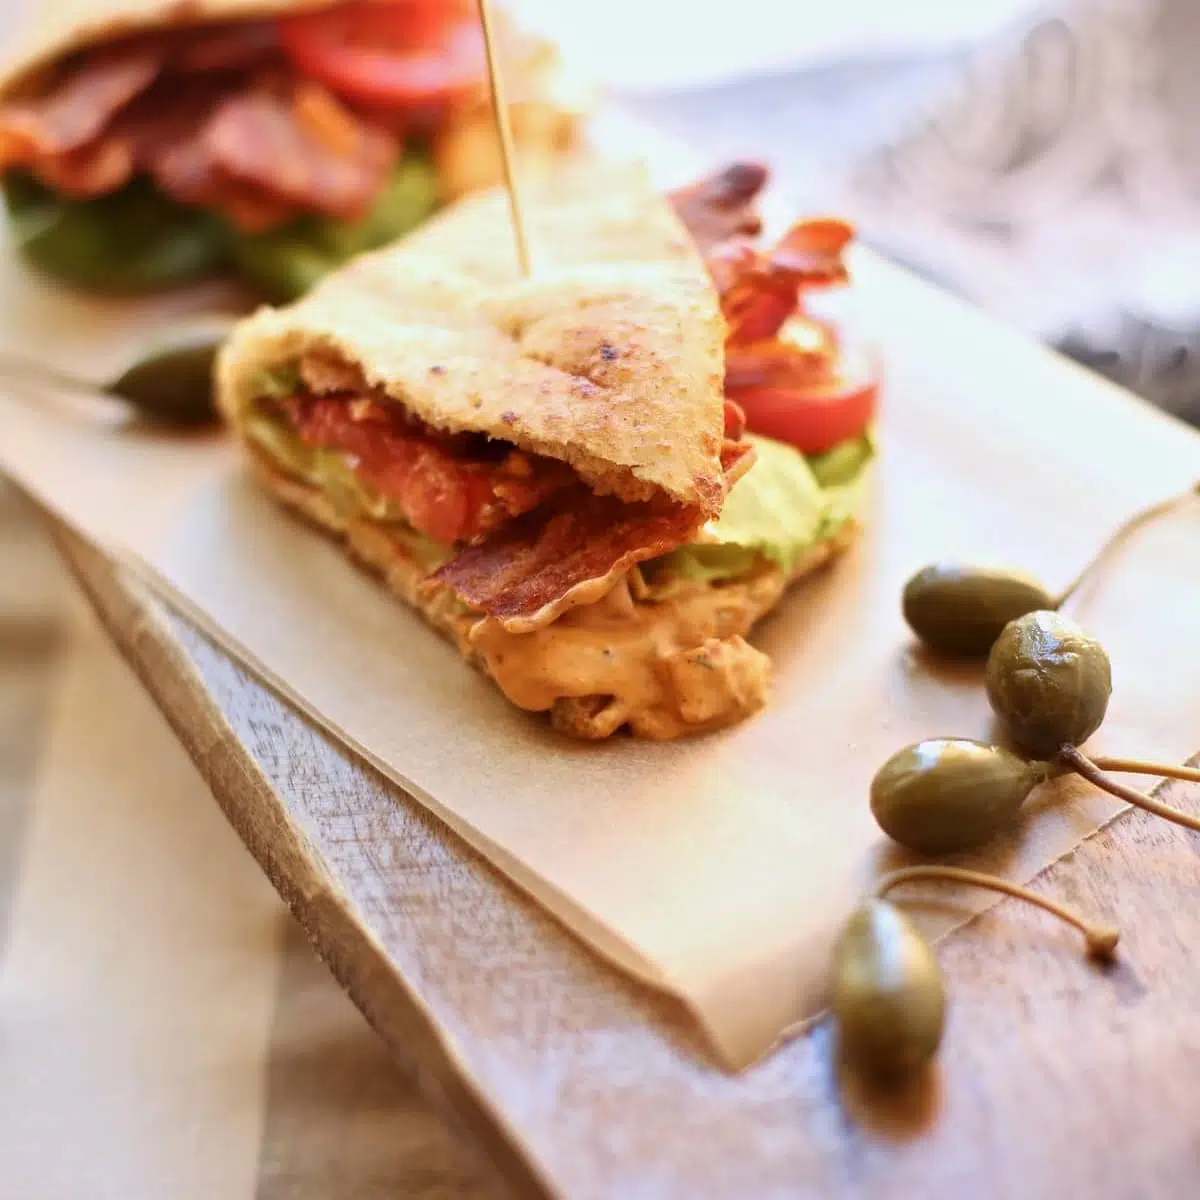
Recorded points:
783,506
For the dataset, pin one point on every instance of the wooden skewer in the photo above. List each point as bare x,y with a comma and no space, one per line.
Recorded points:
504,132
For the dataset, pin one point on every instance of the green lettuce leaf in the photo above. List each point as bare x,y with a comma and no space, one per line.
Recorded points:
845,463
782,507
277,383
282,264
130,241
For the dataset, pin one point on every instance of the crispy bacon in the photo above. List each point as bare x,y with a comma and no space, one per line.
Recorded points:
812,251
172,110
527,571
571,548
164,127
183,168
721,206
759,292
186,171
214,117
76,111
256,156
235,46
100,167
800,356
303,147
451,488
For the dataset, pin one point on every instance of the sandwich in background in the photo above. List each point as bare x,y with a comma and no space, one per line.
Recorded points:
147,143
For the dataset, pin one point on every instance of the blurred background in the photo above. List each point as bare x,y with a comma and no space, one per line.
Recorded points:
1042,160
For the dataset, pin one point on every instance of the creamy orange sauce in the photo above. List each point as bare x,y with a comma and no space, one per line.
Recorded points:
670,667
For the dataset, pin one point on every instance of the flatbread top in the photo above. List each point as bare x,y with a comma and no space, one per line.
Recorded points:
610,358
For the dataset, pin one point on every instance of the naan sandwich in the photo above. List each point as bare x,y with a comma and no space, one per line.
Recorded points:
146,143
548,468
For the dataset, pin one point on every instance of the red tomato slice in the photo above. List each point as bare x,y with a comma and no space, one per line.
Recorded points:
402,53
440,495
816,416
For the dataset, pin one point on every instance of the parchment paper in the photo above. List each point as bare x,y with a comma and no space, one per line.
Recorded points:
717,868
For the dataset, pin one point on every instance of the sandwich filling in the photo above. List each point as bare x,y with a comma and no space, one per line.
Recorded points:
522,536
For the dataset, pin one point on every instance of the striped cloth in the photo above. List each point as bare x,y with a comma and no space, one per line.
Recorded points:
165,1029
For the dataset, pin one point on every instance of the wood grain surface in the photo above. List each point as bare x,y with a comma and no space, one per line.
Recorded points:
1057,1079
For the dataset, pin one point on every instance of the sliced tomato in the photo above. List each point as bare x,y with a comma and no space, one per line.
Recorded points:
398,54
450,488
440,495
813,415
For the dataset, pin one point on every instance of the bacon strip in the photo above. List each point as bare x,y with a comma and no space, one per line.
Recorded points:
256,155
303,147
164,128
76,111
571,549
721,206
759,292
169,145
800,359
812,251
231,47
216,118
540,564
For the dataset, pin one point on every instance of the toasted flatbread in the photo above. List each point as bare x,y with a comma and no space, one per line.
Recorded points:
609,358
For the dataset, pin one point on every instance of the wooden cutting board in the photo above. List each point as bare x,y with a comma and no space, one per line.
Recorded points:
1055,1080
